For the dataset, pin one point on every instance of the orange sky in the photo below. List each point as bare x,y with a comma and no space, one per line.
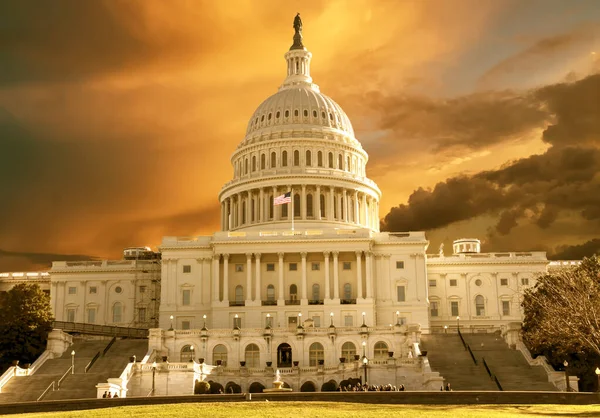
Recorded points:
117,118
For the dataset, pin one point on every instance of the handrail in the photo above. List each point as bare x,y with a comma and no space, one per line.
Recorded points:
8,374
462,339
472,355
51,385
492,376
498,383
487,369
63,376
95,329
112,341
92,361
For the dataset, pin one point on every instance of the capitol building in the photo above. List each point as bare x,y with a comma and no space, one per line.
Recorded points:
310,287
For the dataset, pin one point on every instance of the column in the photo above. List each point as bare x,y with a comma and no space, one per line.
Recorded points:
303,203
356,210
281,297
345,204
336,280
327,291
369,266
215,272
304,300
239,203
248,278
359,289
317,205
226,278
261,206
365,213
276,209
331,203
257,296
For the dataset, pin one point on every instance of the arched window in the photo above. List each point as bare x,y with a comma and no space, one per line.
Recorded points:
254,163
330,160
316,292
348,163
315,353
252,206
252,355
309,205
117,312
296,158
243,212
239,294
347,291
308,158
271,206
246,166
322,205
320,159
284,160
273,160
186,354
381,350
271,293
479,305
340,162
335,208
284,211
220,353
263,161
296,205
348,350
293,292
350,209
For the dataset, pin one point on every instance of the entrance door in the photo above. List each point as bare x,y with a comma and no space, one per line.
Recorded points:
284,355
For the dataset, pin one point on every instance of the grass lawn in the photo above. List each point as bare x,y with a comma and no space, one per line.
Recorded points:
326,410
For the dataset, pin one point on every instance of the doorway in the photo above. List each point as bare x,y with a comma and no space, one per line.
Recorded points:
284,355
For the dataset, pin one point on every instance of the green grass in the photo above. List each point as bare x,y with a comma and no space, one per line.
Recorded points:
326,410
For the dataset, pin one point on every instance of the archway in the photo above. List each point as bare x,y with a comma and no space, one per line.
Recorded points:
215,387
284,355
256,387
232,387
308,386
330,386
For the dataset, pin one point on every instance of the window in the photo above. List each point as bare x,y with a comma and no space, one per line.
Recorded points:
401,293
308,158
142,314
293,266
347,291
254,163
454,308
432,283
322,205
186,354
316,292
316,321
93,290
348,350
315,353
237,322
453,282
399,264
330,160
118,289
239,294
478,282
186,297
271,293
320,159
402,320
284,160
246,166
270,267
142,289
252,356
274,155
340,162
296,206
380,350
434,308
70,315
220,355
347,265
284,211
117,312
91,316
296,111
479,305
263,161
316,266
314,113
239,268
187,269
185,325
72,290
305,113
503,282
525,281
269,322
296,158
505,307
287,113
293,292
309,205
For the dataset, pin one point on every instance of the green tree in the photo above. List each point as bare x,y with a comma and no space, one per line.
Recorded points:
25,321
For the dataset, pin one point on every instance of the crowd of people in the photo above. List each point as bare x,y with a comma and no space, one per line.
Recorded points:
108,394
371,388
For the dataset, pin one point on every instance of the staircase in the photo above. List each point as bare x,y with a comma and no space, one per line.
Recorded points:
509,366
448,356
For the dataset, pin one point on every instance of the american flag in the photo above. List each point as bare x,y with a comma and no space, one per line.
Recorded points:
283,199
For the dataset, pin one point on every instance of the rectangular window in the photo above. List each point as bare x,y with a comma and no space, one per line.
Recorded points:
401,293
91,316
185,324
93,290
237,322
142,289
434,309
399,264
316,321
402,320
70,315
505,307
187,269
72,290
347,265
454,308
270,267
142,315
525,281
503,282
432,283
293,266
453,282
268,322
239,268
348,321
316,266
186,297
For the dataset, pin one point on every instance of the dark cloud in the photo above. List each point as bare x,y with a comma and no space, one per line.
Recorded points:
13,260
577,252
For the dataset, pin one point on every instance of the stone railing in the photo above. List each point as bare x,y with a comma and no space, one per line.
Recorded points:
104,265
557,378
541,255
8,374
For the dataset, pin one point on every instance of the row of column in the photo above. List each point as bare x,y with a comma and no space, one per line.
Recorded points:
304,283
350,206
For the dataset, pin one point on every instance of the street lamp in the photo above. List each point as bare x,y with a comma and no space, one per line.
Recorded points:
398,318
73,362
192,348
598,376
204,326
153,377
445,329
171,328
300,320
330,319
363,316
365,360
566,364
458,323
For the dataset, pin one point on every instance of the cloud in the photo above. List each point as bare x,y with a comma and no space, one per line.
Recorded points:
577,252
11,260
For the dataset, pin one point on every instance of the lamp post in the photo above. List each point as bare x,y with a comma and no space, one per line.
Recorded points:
300,320
331,319
445,329
204,317
365,361
73,362
398,318
364,314
458,323
171,327
153,377
566,364
598,377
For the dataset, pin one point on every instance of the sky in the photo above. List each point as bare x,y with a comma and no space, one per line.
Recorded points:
481,118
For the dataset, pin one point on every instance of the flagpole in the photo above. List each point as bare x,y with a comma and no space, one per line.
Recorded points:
292,203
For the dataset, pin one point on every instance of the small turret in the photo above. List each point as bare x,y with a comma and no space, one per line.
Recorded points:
466,246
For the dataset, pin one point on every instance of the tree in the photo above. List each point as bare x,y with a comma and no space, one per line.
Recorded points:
562,311
25,321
